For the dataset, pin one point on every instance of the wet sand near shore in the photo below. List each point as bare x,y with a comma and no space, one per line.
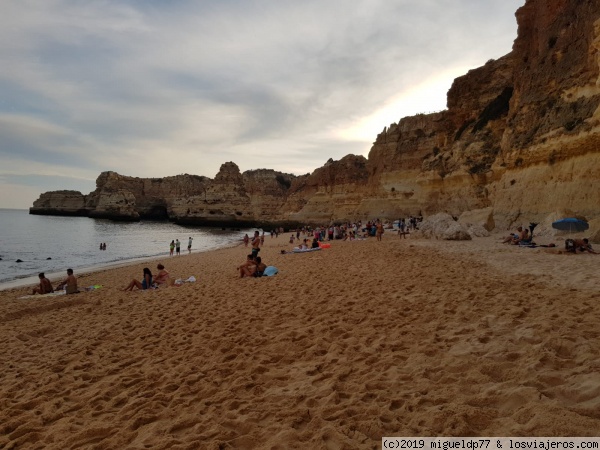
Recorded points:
345,345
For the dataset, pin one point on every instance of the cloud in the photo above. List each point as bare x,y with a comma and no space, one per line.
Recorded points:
150,88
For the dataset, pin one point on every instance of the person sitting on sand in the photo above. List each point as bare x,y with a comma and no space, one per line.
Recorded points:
315,243
145,284
514,237
45,286
163,275
247,268
69,283
583,245
259,268
524,238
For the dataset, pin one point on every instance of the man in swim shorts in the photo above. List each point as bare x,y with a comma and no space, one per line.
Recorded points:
256,244
69,283
190,245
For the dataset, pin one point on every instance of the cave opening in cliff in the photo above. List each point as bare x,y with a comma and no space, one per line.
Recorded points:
157,212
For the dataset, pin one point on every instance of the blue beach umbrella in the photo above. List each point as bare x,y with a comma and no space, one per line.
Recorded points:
570,224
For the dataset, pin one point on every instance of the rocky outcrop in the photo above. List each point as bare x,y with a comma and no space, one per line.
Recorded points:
520,140
442,226
61,203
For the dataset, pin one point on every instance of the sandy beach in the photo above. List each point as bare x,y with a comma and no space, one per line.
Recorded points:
366,339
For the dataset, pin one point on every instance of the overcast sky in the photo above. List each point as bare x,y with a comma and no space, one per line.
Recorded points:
155,88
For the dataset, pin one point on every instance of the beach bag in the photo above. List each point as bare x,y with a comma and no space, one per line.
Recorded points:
570,246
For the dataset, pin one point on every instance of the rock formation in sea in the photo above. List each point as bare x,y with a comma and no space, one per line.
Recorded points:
519,140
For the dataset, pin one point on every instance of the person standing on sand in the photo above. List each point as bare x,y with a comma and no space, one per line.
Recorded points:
177,247
171,248
45,286
190,245
256,244
379,230
246,240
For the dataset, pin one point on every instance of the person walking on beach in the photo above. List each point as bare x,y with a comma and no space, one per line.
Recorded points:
171,248
177,247
190,245
246,240
45,286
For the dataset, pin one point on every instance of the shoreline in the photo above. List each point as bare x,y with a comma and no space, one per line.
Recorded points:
33,280
341,347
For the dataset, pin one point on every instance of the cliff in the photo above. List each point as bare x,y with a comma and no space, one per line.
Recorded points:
520,138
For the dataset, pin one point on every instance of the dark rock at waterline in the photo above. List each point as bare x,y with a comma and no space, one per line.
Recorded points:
18,260
48,258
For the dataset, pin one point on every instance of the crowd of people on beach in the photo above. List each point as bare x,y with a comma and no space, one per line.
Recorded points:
313,238
344,231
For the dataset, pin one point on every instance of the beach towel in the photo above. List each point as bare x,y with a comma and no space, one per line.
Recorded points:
53,294
92,288
179,281
306,250
270,271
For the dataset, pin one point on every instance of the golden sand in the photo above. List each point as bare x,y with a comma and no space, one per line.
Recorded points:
346,345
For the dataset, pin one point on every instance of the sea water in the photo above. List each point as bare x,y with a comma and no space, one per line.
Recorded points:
51,244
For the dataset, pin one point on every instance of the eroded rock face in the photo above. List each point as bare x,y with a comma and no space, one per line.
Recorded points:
520,138
442,226
62,203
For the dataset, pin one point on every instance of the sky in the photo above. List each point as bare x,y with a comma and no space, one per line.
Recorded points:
154,88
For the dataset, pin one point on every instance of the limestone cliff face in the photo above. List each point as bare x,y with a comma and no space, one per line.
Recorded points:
520,140
331,192
551,148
